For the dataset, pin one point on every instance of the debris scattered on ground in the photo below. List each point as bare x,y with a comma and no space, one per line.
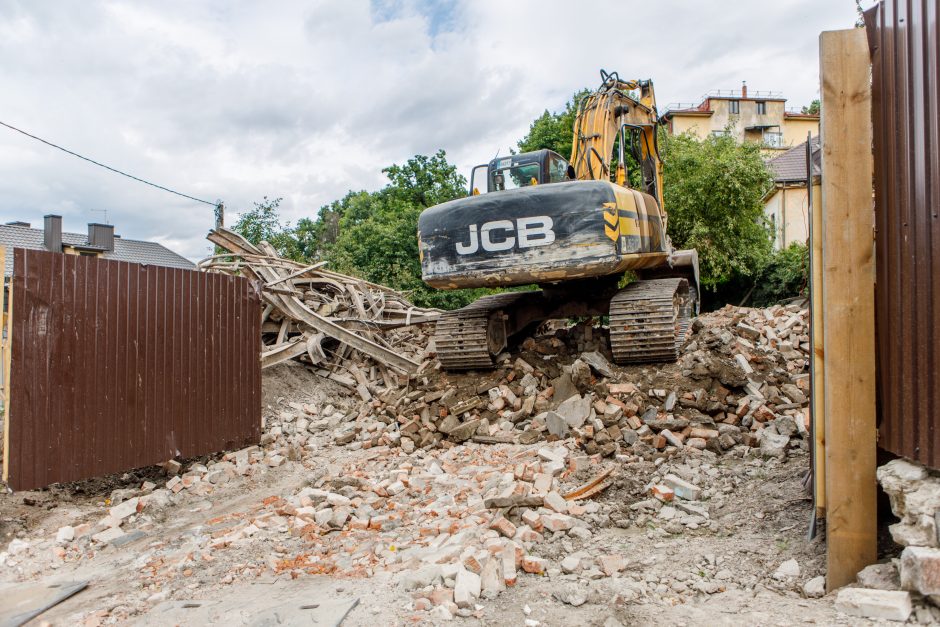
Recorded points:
554,483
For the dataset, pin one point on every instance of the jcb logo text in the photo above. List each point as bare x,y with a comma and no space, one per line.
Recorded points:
504,235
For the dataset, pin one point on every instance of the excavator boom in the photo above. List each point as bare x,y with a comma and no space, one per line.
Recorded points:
623,113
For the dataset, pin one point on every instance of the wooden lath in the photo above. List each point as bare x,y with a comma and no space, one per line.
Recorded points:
309,304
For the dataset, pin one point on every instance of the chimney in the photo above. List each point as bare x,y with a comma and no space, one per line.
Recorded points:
743,89
101,235
52,233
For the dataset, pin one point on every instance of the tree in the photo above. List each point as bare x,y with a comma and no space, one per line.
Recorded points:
713,195
376,233
263,223
786,276
813,108
426,181
554,131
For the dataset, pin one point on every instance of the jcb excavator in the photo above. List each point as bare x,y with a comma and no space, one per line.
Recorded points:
536,218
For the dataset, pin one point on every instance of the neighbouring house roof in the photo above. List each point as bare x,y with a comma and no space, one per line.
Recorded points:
136,251
790,167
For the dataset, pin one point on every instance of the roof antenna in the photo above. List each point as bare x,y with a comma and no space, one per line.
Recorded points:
104,211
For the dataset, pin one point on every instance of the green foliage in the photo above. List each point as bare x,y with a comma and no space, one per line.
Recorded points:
554,131
786,276
262,223
813,108
714,199
425,181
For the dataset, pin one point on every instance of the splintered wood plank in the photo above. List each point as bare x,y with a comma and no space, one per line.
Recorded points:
848,305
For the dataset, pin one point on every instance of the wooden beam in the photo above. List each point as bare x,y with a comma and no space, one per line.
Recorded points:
848,305
296,274
7,363
817,385
283,352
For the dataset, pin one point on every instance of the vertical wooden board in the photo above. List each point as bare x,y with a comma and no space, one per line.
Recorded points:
819,363
848,305
7,350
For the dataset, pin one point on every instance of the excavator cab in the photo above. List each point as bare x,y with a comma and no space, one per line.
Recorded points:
523,170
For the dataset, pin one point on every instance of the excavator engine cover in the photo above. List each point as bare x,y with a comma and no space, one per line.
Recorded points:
540,234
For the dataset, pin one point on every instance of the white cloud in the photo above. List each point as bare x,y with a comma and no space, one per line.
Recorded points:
238,100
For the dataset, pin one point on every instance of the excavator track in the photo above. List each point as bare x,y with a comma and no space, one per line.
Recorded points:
470,338
649,320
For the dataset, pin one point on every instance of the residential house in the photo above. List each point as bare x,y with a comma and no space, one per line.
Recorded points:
99,242
759,116
787,204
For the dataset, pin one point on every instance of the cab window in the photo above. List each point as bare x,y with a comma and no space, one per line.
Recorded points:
478,182
557,169
511,177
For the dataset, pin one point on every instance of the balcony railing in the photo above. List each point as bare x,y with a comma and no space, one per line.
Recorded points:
683,106
737,93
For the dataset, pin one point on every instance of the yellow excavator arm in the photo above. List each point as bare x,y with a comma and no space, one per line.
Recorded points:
611,112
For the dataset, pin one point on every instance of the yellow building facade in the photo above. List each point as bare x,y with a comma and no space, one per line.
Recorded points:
760,117
787,204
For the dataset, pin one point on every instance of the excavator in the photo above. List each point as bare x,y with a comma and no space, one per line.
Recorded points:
565,226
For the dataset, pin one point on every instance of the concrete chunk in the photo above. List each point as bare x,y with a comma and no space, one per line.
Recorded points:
920,569
682,488
466,588
125,509
598,363
876,604
575,411
556,502
773,444
491,579
879,576
112,533
65,535
556,425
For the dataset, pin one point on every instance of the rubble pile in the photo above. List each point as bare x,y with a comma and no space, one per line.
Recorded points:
742,379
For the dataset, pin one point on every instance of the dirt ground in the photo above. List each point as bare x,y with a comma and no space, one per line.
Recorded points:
716,569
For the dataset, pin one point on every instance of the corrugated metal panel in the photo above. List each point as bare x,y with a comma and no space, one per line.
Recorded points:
118,365
903,37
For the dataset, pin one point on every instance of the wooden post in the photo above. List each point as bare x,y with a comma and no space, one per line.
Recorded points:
848,305
818,332
6,354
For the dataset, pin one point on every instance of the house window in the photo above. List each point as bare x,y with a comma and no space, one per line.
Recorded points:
734,107
773,139
723,133
761,108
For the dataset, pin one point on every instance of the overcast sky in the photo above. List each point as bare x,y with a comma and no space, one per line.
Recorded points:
237,100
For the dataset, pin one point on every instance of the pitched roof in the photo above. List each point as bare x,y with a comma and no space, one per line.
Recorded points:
136,251
791,165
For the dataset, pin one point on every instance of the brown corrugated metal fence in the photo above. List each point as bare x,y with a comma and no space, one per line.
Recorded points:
119,365
903,38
